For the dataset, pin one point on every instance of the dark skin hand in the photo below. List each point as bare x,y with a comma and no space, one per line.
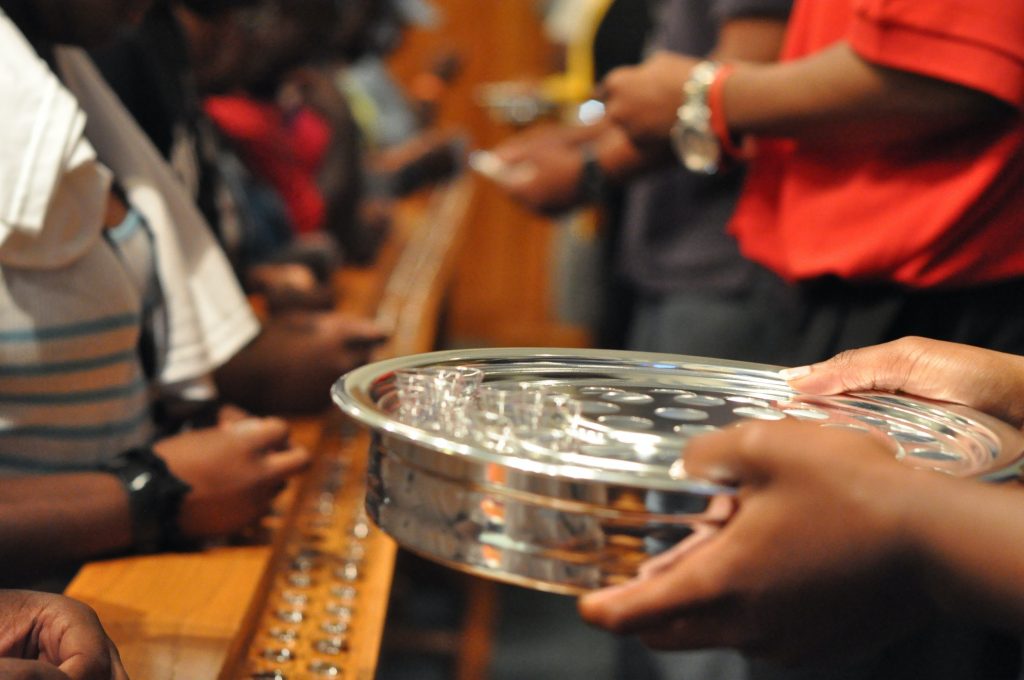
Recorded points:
986,380
291,366
805,542
543,167
643,99
286,286
545,163
235,471
50,637
822,561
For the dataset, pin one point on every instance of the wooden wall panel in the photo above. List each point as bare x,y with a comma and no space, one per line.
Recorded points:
501,293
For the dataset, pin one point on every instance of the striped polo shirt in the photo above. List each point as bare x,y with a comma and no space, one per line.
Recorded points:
72,388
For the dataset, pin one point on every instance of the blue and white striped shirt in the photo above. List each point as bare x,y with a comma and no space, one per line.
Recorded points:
72,388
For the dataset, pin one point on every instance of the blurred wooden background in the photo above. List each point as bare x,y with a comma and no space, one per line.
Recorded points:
501,295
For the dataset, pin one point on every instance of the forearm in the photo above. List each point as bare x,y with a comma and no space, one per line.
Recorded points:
750,39
966,536
835,95
243,379
60,519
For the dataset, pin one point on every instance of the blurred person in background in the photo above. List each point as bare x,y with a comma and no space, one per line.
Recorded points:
556,182
884,155
404,150
156,72
183,49
334,151
694,293
293,128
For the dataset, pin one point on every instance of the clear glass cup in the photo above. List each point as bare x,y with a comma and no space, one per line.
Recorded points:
437,397
554,425
417,397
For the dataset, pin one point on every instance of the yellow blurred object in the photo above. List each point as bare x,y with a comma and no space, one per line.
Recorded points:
575,84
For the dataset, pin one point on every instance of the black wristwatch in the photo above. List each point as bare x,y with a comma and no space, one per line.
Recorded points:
154,496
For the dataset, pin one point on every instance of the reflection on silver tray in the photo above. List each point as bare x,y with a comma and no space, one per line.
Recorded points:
572,520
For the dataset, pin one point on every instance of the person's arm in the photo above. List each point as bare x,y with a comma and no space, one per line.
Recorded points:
838,95
750,39
291,365
834,550
833,95
834,547
60,519
50,637
234,471
546,165
989,381
543,168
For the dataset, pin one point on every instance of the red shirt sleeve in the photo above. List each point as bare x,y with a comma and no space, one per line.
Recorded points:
309,135
976,43
243,119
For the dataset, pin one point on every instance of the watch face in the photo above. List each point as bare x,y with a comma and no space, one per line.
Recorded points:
697,149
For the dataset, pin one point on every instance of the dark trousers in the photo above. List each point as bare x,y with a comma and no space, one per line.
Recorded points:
830,315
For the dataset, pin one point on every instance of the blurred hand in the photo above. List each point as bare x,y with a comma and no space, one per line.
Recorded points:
543,171
812,564
289,285
522,145
50,637
291,366
288,275
235,471
643,99
983,379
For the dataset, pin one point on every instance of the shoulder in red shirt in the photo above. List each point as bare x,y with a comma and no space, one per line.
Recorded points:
948,213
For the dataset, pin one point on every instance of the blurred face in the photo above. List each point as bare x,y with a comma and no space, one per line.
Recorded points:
218,47
358,22
88,23
282,35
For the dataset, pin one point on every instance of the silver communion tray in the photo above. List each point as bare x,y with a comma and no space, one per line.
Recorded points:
576,495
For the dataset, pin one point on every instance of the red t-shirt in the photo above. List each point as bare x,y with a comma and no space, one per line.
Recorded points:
285,150
947,213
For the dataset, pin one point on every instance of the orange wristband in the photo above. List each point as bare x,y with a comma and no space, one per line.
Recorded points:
718,123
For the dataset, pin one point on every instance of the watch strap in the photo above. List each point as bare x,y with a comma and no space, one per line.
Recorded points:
155,495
